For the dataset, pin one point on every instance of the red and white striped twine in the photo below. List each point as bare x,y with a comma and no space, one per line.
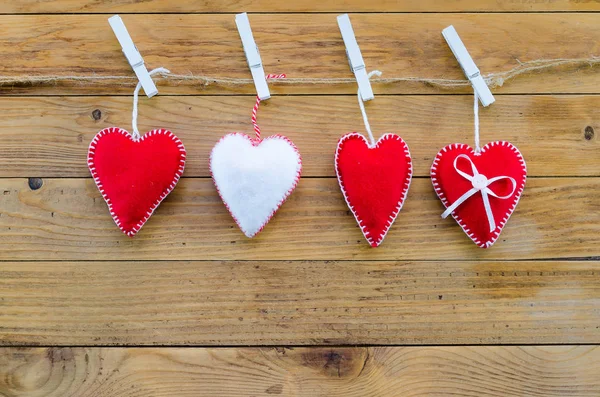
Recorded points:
255,108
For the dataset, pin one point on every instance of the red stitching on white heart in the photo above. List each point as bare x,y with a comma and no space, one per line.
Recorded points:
378,239
440,193
92,167
256,142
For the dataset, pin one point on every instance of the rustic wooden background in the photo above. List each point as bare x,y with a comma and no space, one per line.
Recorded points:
190,307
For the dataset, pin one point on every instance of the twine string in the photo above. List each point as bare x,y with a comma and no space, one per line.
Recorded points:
493,80
136,92
257,104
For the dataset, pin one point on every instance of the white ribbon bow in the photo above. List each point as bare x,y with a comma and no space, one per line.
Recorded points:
480,184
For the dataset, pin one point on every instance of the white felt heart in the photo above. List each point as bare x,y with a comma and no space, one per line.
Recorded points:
254,177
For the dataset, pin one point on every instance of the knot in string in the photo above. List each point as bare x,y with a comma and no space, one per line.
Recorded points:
364,112
134,114
255,108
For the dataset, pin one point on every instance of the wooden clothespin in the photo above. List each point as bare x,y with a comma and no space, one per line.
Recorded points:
357,64
133,55
253,56
468,66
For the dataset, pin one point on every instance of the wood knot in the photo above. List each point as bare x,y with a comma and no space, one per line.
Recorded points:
28,373
336,362
588,134
35,183
59,354
97,114
275,389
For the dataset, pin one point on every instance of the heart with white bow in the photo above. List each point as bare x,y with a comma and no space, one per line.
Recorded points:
480,188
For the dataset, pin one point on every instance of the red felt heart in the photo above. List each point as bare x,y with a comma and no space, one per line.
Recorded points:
135,176
374,181
495,159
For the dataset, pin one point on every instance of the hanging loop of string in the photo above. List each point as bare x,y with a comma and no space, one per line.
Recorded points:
476,121
256,105
364,112
136,92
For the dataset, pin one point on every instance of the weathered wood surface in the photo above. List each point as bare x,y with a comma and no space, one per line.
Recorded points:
298,303
68,219
49,137
301,45
69,277
348,372
307,6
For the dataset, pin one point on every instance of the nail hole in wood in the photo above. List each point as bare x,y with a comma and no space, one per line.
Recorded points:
588,133
97,114
35,183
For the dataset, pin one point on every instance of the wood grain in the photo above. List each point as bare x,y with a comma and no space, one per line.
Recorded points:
68,219
348,372
298,302
309,6
69,277
49,137
301,45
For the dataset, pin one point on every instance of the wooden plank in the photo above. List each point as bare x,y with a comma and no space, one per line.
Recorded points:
49,137
312,6
301,45
349,372
67,219
299,303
